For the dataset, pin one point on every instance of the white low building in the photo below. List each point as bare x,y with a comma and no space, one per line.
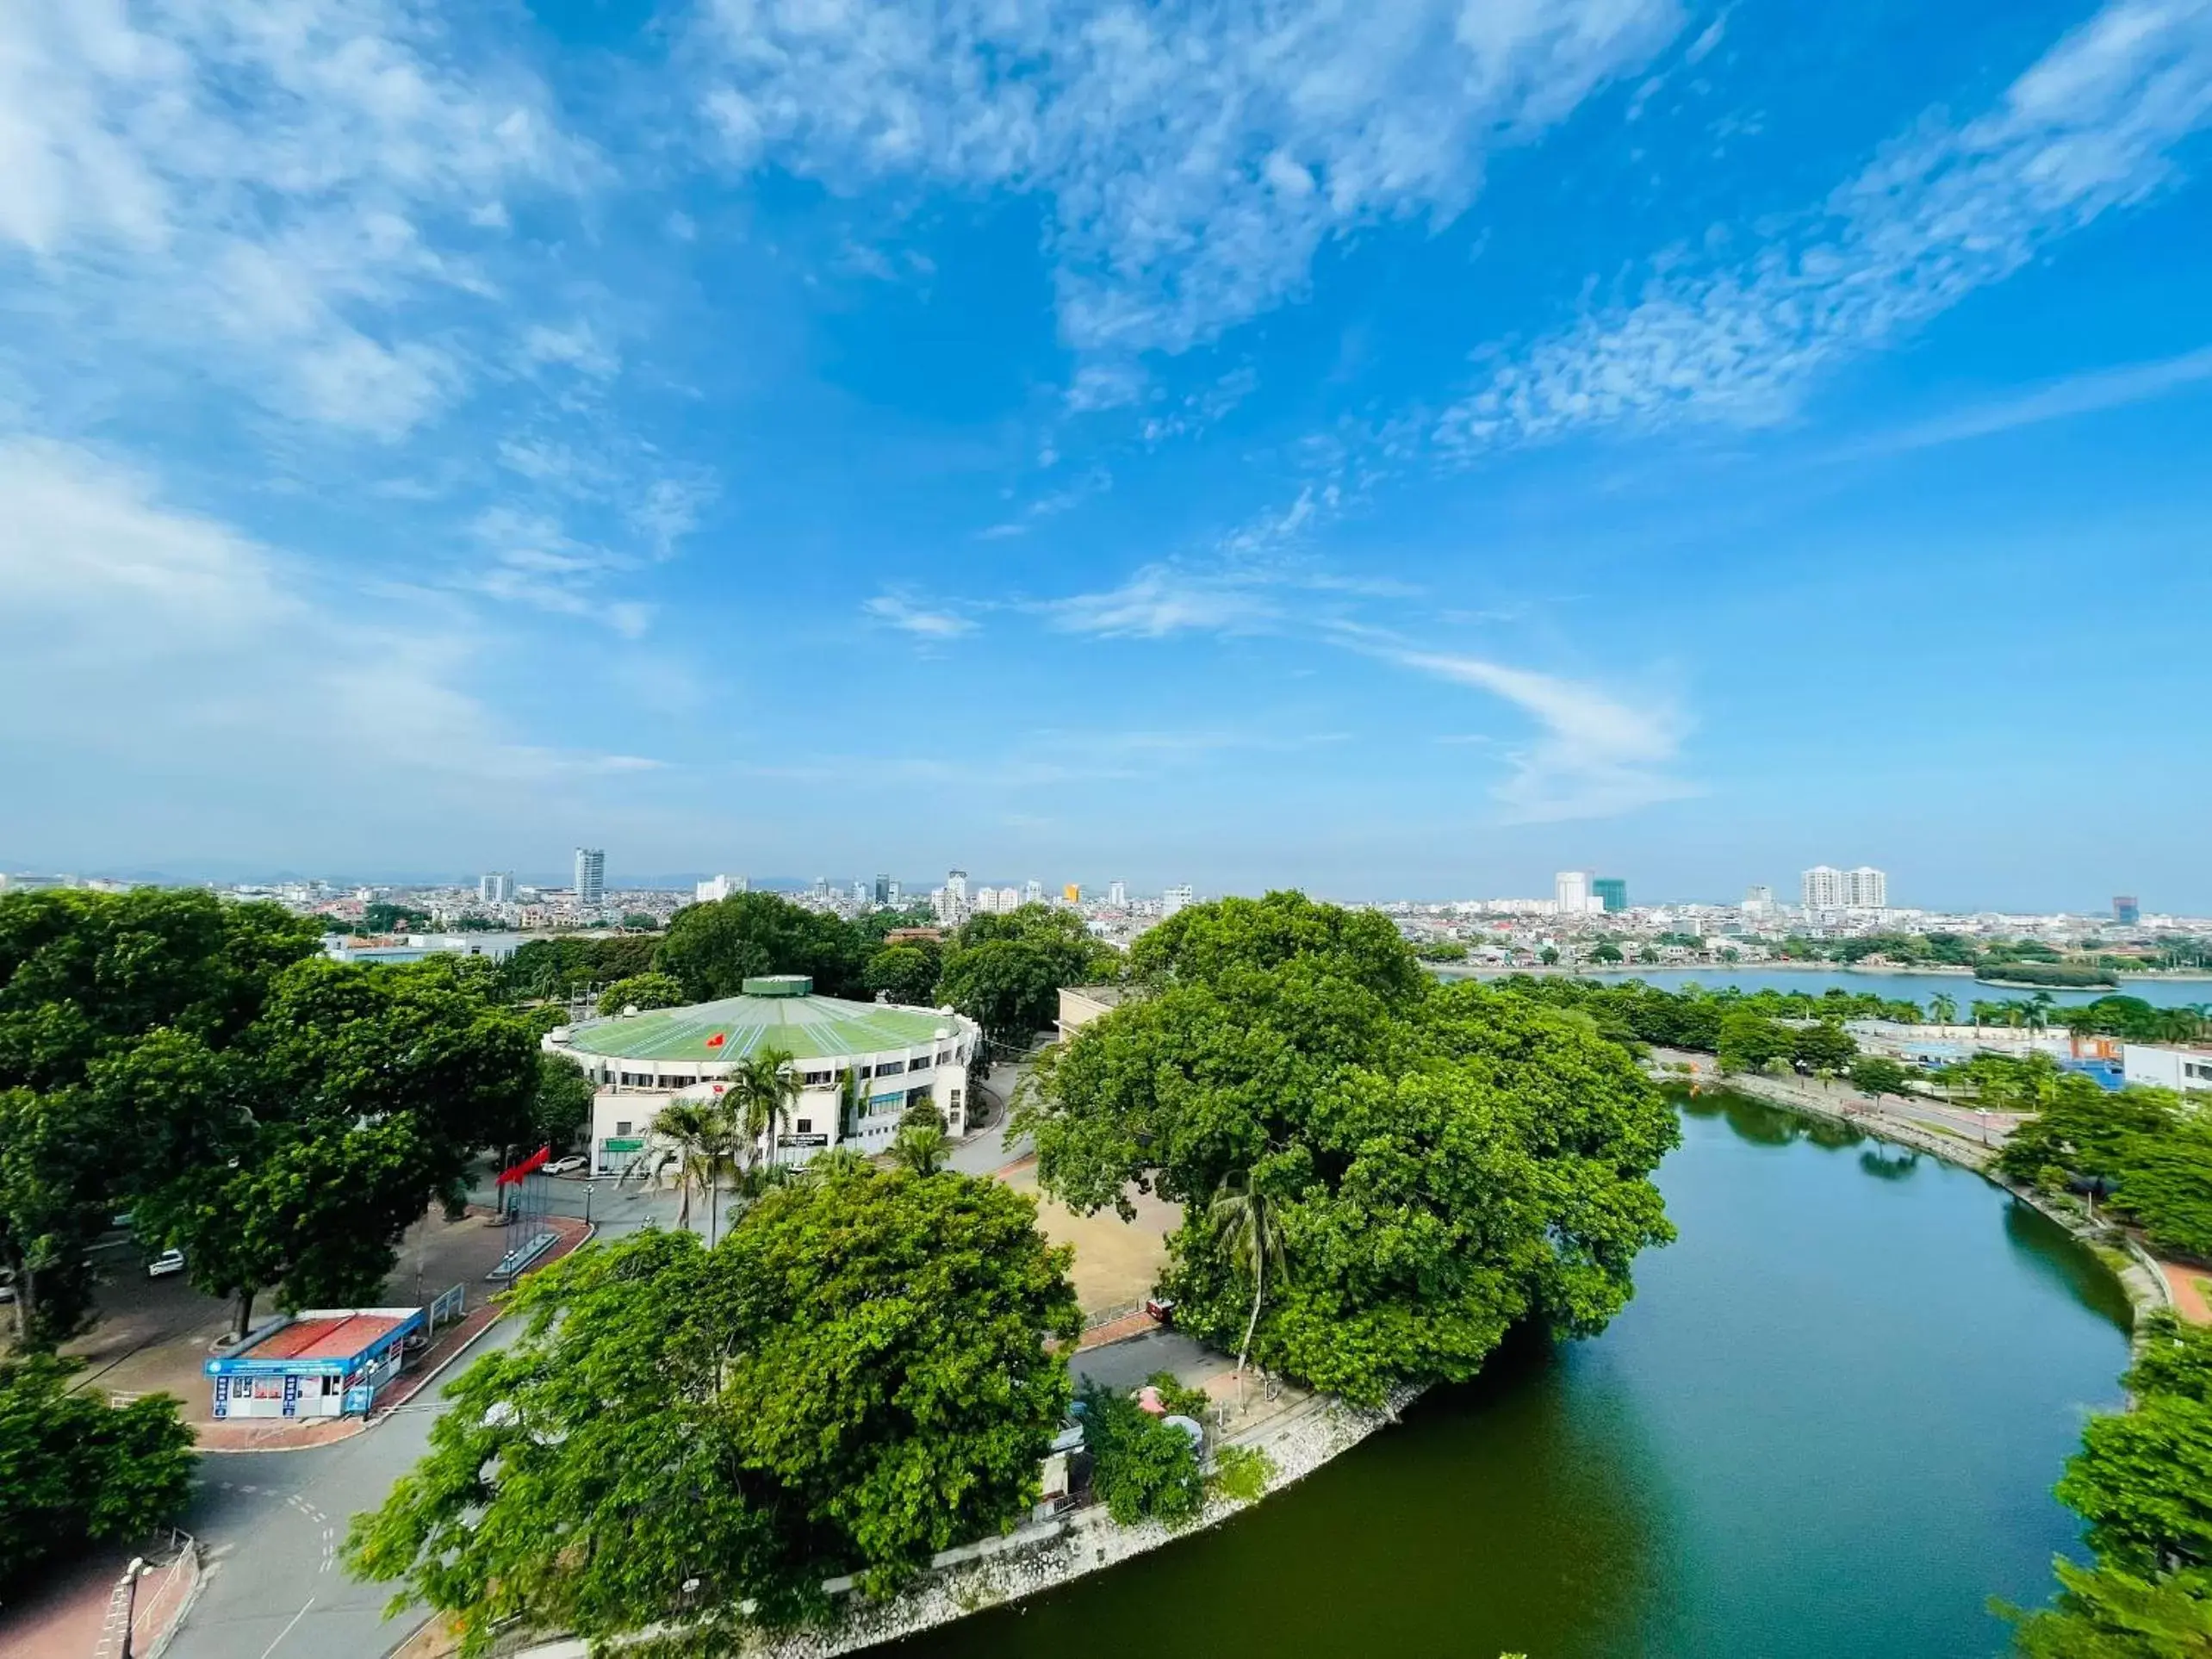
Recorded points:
888,1057
2166,1065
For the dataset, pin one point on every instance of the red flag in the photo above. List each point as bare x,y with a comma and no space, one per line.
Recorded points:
716,1040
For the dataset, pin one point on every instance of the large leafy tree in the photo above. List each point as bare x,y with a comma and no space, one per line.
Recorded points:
856,1378
2143,1483
1005,972
74,1470
711,949
905,973
2150,1155
1441,1162
641,991
96,990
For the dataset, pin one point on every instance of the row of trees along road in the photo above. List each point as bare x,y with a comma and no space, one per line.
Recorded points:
280,1117
1381,1175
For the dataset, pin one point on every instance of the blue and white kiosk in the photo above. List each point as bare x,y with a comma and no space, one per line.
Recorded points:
322,1362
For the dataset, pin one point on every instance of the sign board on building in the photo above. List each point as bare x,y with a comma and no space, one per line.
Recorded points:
802,1141
623,1144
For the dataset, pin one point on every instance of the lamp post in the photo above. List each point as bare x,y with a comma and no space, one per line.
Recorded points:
137,1570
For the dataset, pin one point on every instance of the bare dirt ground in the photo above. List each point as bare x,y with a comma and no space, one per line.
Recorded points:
1115,1261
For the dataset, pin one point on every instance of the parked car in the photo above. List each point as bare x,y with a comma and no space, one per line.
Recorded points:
568,1165
168,1262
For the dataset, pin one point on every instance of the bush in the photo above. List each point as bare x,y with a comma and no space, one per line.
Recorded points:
1241,1474
1140,1468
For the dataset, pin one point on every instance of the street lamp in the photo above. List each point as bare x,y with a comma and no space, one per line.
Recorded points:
137,1570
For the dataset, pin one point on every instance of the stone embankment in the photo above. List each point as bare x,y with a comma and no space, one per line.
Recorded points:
1048,1554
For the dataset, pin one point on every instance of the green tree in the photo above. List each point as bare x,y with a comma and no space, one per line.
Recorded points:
1748,1040
641,991
762,1089
921,1144
1141,1468
906,973
562,1105
712,949
1549,956
698,1134
1876,1075
1607,952
1942,1007
1008,987
75,1470
1822,1046
1444,1160
856,1378
383,916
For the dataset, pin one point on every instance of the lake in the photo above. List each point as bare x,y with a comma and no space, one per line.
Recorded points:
1828,1426
1906,987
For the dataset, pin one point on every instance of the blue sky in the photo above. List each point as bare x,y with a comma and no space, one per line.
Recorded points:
1393,449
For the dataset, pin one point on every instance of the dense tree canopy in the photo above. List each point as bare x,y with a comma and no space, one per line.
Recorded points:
2150,1154
1442,1162
711,949
905,973
1004,972
854,1378
641,991
74,1470
2143,1483
570,967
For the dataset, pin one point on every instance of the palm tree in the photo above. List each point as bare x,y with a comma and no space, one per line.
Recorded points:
921,1143
1943,1007
1244,1222
760,1092
694,1127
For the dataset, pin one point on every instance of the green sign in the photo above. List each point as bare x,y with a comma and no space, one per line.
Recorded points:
626,1144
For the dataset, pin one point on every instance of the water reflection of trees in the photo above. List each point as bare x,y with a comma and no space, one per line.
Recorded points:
1884,1164
1764,1125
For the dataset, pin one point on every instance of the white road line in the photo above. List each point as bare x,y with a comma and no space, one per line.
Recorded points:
287,1631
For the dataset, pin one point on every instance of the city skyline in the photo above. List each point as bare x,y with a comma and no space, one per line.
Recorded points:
1655,438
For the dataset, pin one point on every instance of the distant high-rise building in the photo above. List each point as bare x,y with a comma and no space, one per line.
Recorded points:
891,894
1611,892
1866,889
1072,893
1571,890
860,889
1822,888
1173,900
715,889
1117,895
2126,912
882,889
591,877
1758,900
1032,891
956,887
496,887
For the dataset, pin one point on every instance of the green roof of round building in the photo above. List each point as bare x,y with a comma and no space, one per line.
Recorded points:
803,1026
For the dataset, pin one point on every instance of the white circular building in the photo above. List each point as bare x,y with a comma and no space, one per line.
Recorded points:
901,1056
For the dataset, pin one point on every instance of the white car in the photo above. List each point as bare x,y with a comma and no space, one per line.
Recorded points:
568,1165
168,1262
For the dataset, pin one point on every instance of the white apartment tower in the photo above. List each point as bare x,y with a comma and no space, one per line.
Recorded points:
1822,888
956,887
1032,891
1117,895
1571,890
591,877
715,889
497,887
1174,899
1825,888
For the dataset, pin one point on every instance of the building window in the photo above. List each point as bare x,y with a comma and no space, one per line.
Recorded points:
944,1057
956,1100
806,1126
622,1126
890,1068
914,1097
866,1072
919,1063
814,1079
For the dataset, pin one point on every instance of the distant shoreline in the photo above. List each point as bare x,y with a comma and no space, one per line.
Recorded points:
1583,969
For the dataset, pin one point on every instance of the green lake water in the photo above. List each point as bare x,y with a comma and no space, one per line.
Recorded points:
1828,1426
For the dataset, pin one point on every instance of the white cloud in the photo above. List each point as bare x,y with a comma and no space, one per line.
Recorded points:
139,631
896,610
576,346
1596,754
247,183
1945,211
1164,598
1196,154
2078,394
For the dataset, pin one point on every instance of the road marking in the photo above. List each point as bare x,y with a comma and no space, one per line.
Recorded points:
287,1631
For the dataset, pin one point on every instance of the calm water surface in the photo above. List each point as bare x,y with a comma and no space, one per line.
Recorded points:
1906,987
1828,1424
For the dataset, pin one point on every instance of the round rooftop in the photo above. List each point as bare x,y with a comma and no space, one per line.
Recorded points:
805,1026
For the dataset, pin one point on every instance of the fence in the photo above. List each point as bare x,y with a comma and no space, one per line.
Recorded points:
166,1577
1108,1315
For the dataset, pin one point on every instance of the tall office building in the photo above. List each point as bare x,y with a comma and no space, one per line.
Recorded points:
956,887
1032,891
2126,912
1822,888
1611,892
1117,895
1571,890
860,889
891,894
591,877
1072,893
882,888
1758,900
497,887
1173,900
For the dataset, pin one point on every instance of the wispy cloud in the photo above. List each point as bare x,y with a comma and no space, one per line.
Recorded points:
901,611
1196,155
1943,212
2078,394
1595,753
1166,598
